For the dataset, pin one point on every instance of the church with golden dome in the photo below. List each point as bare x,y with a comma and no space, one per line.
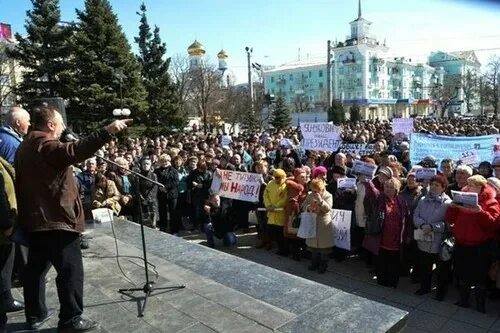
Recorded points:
197,53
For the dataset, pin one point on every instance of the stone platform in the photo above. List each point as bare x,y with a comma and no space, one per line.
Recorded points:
223,293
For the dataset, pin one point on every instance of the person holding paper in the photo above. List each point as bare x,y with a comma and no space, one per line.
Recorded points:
462,173
474,229
105,194
386,229
275,199
428,218
320,202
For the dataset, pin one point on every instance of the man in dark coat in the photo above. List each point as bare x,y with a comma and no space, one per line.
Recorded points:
167,196
51,212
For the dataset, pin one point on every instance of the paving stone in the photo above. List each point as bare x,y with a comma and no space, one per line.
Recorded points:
453,326
426,321
438,308
475,318
265,314
198,328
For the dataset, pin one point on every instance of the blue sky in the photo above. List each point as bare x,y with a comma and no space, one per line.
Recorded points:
276,29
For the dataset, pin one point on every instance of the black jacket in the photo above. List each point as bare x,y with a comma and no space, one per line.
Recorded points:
169,177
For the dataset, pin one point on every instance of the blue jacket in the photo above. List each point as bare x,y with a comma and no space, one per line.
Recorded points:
9,142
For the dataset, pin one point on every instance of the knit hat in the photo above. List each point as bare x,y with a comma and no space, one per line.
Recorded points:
386,171
338,170
495,183
279,173
318,171
441,180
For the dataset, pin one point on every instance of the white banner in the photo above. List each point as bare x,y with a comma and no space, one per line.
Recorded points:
363,168
425,174
320,136
237,185
361,149
341,223
469,157
402,127
346,183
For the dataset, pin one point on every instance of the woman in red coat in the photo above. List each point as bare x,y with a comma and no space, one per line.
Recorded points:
474,231
297,192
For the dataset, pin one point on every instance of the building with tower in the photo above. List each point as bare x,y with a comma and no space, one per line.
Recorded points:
197,53
364,74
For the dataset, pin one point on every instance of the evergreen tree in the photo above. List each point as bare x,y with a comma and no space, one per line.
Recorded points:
336,113
280,117
43,53
355,113
107,75
164,106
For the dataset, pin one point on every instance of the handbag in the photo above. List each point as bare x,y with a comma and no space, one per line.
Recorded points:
252,217
447,249
307,228
419,235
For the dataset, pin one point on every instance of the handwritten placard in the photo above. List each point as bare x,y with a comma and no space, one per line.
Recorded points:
425,174
363,168
226,140
402,127
346,183
341,223
320,136
469,157
243,186
361,149
468,199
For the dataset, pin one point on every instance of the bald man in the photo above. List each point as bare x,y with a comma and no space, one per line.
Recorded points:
16,124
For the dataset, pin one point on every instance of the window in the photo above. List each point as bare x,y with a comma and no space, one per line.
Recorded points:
291,88
320,85
291,77
272,79
320,73
310,74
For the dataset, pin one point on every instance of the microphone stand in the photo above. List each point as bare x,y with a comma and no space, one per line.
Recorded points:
148,287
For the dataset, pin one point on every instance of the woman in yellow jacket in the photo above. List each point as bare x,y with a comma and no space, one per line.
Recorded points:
275,200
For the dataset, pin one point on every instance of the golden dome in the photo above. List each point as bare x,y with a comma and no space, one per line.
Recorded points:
222,54
196,49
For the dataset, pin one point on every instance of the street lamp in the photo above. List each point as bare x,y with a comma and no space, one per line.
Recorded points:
121,111
249,51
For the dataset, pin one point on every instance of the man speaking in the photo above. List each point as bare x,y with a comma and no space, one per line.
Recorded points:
50,211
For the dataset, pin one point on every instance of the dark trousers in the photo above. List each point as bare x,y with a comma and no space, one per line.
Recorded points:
426,261
62,250
388,266
276,234
7,253
167,212
179,212
20,261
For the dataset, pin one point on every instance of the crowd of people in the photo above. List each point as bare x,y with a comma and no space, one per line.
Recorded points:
401,226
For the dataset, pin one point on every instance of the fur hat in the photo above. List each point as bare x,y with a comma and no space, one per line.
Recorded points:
495,183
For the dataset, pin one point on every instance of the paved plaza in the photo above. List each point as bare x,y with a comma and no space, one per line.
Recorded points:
227,294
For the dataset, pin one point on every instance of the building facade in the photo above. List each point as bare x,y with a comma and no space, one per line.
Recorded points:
10,71
364,74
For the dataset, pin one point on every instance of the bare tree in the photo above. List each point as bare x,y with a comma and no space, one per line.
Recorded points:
445,94
470,89
492,84
179,70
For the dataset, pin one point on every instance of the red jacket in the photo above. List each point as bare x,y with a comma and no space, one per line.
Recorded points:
471,228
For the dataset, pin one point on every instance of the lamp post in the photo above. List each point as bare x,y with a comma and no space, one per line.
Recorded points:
121,111
249,51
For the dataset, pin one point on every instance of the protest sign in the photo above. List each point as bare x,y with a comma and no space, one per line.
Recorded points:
341,223
102,215
226,140
237,185
361,149
469,157
465,198
286,143
402,127
425,174
320,136
442,147
363,168
346,183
